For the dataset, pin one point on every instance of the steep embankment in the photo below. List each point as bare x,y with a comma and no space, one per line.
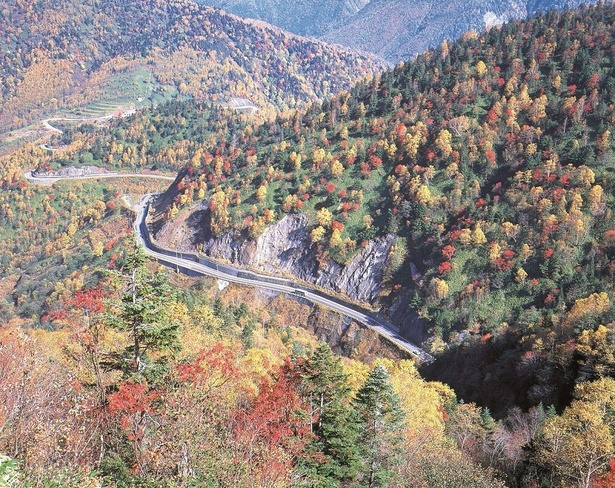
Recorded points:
394,29
310,18
397,30
287,247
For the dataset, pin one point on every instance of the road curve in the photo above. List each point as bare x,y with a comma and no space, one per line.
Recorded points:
205,266
48,126
49,180
209,267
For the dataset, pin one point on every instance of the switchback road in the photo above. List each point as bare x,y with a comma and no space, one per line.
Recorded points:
49,180
202,265
49,127
209,267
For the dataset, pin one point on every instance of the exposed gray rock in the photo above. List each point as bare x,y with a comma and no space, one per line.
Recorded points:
362,277
286,247
410,325
396,30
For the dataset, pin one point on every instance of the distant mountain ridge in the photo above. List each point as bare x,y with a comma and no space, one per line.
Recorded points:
309,18
394,29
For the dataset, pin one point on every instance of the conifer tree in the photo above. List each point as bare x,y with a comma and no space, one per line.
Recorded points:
333,422
381,422
143,311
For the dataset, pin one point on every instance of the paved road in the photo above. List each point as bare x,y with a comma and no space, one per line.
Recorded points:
49,180
209,267
48,126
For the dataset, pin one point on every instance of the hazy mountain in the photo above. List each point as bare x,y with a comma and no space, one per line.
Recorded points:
397,29
393,29
62,54
311,17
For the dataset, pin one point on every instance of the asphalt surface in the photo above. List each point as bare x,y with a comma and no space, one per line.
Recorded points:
49,180
204,266
200,265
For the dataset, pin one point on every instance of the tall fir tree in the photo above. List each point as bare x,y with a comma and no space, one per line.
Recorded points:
381,424
143,311
334,423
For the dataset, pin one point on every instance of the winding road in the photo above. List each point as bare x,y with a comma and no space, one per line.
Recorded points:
51,179
209,267
201,265
49,127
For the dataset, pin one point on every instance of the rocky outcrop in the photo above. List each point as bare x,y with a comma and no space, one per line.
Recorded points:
348,338
403,315
286,247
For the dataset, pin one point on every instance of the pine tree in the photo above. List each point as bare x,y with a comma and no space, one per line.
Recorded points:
333,422
143,312
381,422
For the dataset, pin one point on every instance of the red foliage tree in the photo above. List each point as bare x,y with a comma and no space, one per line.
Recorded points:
448,251
133,403
274,429
607,480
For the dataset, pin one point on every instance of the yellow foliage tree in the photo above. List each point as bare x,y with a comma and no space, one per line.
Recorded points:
440,287
336,168
481,69
521,275
261,193
478,236
585,310
220,219
579,444
324,217
336,238
422,402
423,195
317,233
443,143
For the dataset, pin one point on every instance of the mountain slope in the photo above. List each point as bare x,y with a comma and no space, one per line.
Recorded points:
311,18
70,53
478,177
490,163
398,30
394,29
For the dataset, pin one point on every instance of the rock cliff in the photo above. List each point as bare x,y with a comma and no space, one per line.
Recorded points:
286,248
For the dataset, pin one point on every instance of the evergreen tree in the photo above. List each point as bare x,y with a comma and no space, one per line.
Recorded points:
333,421
381,422
143,311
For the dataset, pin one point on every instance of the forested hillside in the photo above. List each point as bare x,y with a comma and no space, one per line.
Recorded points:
487,163
58,54
488,159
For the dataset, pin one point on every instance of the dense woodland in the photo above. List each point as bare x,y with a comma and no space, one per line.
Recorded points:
151,387
62,54
489,159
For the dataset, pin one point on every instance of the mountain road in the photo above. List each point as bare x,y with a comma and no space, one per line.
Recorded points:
209,267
